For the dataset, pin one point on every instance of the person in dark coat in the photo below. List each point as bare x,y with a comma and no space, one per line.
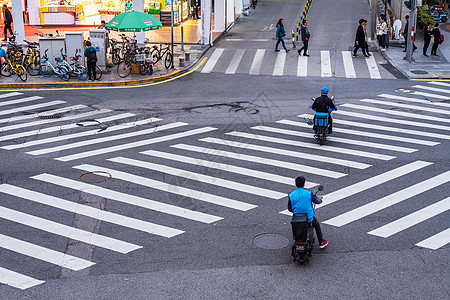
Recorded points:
405,34
8,21
426,38
436,33
305,35
360,40
279,35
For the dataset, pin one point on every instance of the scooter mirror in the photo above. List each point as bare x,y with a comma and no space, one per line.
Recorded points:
313,99
320,188
332,97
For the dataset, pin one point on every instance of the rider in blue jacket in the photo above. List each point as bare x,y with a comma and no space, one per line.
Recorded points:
300,202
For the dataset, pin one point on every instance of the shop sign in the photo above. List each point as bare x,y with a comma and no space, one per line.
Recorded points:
147,22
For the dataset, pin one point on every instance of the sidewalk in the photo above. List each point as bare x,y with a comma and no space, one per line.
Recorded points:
422,67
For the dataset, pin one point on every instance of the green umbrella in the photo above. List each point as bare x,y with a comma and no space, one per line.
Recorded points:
133,21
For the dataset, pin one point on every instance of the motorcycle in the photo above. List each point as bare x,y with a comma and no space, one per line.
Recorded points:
321,126
303,235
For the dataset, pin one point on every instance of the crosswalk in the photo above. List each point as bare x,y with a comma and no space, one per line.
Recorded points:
325,63
221,173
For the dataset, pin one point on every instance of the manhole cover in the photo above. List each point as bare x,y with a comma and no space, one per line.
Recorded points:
406,90
419,72
270,241
95,177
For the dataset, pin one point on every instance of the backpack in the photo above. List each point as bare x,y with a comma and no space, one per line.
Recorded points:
92,58
441,39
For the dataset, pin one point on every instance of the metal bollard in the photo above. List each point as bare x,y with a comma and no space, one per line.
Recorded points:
181,61
187,56
293,39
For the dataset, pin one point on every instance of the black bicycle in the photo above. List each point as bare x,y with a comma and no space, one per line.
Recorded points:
158,53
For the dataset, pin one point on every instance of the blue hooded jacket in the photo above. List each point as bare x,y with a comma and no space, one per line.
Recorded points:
300,202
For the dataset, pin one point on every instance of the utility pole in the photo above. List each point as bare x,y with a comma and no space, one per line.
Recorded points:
411,29
373,19
171,33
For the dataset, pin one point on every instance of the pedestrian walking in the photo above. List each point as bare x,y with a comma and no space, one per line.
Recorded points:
8,21
397,26
435,39
360,40
364,25
280,34
382,33
405,34
305,35
426,38
91,60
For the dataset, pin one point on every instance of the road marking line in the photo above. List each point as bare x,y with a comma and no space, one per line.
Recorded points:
245,188
116,137
44,113
170,188
439,83
348,64
302,66
336,139
21,100
220,166
60,128
443,104
369,183
391,120
30,107
433,110
313,146
279,64
17,280
372,66
209,66
325,63
42,122
146,142
436,241
412,219
257,62
67,231
385,128
424,87
54,257
390,200
235,61
90,211
127,198
10,95
363,133
427,95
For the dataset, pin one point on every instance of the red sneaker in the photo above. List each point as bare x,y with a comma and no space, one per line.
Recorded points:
323,244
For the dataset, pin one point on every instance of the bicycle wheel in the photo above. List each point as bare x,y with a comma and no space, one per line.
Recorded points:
63,73
33,69
21,72
115,58
6,70
82,73
142,69
98,72
45,70
168,61
156,55
124,69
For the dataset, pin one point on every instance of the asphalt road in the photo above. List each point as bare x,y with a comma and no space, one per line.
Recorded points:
217,181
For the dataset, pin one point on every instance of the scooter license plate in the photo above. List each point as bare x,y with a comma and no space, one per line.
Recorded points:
300,247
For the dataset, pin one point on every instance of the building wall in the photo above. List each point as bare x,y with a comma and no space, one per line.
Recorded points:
397,7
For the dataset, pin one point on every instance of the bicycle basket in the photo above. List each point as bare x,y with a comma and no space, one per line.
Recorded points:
140,57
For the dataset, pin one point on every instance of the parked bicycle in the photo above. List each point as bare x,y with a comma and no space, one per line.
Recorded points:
75,68
158,53
17,68
47,69
31,61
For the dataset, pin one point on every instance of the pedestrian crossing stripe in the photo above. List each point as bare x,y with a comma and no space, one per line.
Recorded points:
45,113
436,241
21,100
10,95
429,88
415,107
414,100
30,107
18,280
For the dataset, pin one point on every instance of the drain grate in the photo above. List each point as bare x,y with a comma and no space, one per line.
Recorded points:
55,116
95,177
419,72
270,241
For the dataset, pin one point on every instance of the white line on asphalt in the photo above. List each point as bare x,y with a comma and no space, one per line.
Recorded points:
90,211
48,255
17,280
426,94
439,83
146,142
429,88
42,122
257,62
385,128
44,113
170,188
348,64
412,219
302,66
245,188
234,63
427,109
60,128
30,107
9,95
336,161
67,231
363,133
116,137
127,198
222,167
313,146
21,100
279,64
373,68
266,161
436,241
390,200
212,60
325,63
336,139
443,104
370,183
391,120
